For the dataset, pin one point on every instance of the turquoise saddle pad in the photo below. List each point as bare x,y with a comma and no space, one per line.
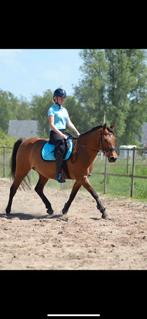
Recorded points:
47,151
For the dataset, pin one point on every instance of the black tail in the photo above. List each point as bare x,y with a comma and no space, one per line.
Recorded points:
13,163
13,157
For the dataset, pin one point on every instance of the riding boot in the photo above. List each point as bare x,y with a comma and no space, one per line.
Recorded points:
59,173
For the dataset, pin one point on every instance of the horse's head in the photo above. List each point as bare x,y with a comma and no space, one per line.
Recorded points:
107,142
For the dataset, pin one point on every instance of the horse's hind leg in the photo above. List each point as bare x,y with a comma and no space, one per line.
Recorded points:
89,188
74,191
13,189
39,190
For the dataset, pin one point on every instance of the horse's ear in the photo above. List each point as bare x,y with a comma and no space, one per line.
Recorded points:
104,126
112,126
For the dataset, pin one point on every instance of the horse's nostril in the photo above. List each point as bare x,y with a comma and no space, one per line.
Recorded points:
112,159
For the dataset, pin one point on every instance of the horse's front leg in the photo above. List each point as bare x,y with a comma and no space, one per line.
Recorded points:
86,184
73,193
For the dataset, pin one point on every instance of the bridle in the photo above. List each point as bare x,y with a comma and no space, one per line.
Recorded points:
108,149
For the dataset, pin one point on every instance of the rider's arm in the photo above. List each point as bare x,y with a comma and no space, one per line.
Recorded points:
71,125
53,128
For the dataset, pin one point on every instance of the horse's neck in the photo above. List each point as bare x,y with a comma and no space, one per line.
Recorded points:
90,140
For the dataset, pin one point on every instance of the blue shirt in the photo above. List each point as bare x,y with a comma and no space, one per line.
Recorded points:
60,114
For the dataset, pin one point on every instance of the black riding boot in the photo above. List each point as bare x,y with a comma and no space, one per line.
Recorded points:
59,162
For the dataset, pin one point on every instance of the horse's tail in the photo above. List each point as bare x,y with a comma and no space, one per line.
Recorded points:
13,163
13,157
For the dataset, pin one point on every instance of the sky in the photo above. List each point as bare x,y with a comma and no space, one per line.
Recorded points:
28,72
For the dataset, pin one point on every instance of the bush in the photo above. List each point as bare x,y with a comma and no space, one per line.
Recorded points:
6,140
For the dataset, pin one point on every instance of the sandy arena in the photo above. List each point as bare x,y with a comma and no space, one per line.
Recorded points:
29,239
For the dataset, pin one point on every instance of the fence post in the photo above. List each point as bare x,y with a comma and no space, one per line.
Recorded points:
105,176
132,175
4,161
127,161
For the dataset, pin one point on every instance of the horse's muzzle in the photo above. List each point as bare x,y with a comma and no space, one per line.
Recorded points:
112,159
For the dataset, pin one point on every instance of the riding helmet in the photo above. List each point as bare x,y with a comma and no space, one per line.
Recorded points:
59,92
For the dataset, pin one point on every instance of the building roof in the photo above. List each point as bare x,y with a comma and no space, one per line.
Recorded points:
23,128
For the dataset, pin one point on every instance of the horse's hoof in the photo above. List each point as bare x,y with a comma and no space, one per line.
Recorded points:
50,211
105,216
7,212
65,209
64,212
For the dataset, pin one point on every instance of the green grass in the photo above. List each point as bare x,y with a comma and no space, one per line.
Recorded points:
118,185
140,189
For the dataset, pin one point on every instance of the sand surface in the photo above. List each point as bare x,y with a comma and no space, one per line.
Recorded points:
29,239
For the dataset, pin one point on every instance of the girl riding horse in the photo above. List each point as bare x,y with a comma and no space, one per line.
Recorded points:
58,118
26,155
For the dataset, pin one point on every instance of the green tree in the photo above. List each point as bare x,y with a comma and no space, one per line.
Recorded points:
91,93
137,114
6,140
114,84
118,88
75,112
24,111
8,109
11,108
39,106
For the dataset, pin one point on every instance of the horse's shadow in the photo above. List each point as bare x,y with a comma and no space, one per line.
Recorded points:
26,216
96,218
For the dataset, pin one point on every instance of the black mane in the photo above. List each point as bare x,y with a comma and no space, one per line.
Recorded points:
95,128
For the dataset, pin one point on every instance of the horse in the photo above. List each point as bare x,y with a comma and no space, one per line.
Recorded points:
26,155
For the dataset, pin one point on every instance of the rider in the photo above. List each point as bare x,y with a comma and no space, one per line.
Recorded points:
58,118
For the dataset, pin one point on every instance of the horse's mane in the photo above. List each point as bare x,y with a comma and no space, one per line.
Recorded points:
96,128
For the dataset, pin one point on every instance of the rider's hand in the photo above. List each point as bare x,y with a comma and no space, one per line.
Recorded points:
65,137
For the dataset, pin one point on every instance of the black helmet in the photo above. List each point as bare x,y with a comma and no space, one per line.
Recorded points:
59,92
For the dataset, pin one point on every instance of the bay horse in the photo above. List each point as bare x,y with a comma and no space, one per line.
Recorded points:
26,155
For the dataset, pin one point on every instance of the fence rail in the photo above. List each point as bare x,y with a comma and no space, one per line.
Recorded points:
129,163
130,158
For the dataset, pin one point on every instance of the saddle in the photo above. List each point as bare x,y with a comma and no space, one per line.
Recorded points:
47,151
